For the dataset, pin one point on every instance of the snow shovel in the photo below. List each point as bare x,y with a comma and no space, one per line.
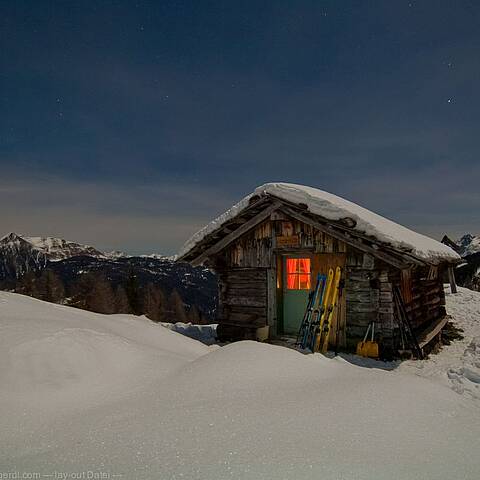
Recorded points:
368,348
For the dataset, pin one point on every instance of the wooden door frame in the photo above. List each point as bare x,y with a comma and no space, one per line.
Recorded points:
280,297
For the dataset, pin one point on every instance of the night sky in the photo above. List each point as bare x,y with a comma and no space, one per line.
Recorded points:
129,125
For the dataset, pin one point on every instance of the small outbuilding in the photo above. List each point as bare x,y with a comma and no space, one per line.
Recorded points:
268,249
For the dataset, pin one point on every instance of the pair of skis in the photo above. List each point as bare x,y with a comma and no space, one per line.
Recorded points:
314,331
315,299
329,304
404,324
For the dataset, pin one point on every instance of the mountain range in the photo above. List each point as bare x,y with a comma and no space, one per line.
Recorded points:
24,256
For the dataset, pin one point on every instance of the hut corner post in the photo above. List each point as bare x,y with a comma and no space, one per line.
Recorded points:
451,279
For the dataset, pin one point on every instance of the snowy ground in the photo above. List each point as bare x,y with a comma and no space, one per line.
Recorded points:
121,396
458,364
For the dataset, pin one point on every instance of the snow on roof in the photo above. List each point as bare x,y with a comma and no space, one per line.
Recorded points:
335,208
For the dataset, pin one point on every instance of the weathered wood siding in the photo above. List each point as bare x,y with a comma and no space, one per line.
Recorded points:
362,293
308,237
369,297
258,247
242,301
253,250
426,302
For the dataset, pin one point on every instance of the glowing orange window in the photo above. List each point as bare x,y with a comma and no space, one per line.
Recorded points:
298,273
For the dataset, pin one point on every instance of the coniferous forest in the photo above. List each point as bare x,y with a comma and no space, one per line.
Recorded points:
95,292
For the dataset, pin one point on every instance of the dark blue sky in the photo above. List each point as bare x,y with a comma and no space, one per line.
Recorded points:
129,125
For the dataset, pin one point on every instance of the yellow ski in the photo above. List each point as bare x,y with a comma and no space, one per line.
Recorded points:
325,332
323,311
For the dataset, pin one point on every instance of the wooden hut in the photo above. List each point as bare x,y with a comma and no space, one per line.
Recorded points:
268,249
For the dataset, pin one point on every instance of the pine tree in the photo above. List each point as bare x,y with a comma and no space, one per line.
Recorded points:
50,287
121,301
27,285
176,308
154,304
133,292
194,315
100,297
81,290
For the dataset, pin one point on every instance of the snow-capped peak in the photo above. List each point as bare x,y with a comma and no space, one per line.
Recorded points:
464,246
59,249
18,256
11,238
55,249
469,244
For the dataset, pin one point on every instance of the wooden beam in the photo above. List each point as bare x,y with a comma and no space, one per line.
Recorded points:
451,279
271,295
425,337
347,238
225,241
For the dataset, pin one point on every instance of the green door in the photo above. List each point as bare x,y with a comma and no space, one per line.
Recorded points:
297,284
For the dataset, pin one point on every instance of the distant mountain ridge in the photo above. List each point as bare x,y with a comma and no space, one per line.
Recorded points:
55,249
466,245
59,249
469,244
22,256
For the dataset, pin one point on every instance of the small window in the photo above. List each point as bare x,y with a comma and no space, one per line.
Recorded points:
298,273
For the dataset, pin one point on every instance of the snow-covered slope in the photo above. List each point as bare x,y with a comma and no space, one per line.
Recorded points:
458,364
123,396
336,208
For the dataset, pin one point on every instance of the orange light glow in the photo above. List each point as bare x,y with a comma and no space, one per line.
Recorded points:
298,273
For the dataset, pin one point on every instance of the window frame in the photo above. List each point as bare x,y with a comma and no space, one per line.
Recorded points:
297,273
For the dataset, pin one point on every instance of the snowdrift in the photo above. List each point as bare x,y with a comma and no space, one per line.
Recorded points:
52,354
122,396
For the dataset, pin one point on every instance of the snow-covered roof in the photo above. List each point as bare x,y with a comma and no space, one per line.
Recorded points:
332,207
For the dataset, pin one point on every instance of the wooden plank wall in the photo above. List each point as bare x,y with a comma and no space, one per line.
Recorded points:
426,302
308,237
253,250
386,314
243,297
369,297
256,249
363,299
